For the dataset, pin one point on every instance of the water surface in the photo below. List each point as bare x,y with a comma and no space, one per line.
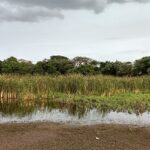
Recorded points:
70,113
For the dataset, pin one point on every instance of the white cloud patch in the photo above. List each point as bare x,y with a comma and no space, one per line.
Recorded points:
35,10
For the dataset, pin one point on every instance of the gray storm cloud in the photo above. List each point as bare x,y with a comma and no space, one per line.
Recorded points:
35,10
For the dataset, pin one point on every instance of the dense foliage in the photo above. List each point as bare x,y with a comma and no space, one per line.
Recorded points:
60,65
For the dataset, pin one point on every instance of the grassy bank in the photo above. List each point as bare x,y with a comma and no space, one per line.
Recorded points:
103,92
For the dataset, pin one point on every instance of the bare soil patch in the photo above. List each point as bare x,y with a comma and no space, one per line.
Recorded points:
49,136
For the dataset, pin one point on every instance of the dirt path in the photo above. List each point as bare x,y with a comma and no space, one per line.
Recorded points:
46,136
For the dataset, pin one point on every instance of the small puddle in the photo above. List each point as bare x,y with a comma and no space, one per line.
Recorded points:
59,112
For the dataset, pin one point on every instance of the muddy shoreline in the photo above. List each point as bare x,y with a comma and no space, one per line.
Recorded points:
50,136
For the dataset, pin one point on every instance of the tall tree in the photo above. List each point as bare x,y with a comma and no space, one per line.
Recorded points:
142,66
10,65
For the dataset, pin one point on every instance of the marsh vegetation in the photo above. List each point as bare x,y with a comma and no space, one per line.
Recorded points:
26,93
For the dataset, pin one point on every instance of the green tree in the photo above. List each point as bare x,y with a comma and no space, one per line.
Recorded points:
108,68
54,65
58,58
25,68
86,70
141,66
40,67
60,64
123,69
10,65
1,66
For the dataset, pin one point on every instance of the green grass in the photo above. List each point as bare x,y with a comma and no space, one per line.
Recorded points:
103,92
39,86
130,102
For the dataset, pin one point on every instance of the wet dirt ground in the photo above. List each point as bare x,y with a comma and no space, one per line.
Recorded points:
49,136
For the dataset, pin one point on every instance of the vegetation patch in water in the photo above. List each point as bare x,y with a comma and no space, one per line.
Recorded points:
79,105
25,94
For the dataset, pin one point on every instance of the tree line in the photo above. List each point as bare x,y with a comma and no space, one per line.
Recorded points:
61,65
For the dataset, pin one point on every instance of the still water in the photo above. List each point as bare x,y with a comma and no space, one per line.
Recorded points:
59,112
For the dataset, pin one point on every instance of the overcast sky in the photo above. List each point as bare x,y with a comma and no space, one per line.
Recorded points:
100,29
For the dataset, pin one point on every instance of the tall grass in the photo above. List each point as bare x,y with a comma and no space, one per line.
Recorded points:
25,93
31,87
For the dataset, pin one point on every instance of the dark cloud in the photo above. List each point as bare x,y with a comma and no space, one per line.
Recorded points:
13,12
34,10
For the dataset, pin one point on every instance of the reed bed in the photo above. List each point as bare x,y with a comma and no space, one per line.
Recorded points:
25,93
32,87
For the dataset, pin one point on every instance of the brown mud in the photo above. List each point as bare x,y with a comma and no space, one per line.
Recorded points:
49,136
